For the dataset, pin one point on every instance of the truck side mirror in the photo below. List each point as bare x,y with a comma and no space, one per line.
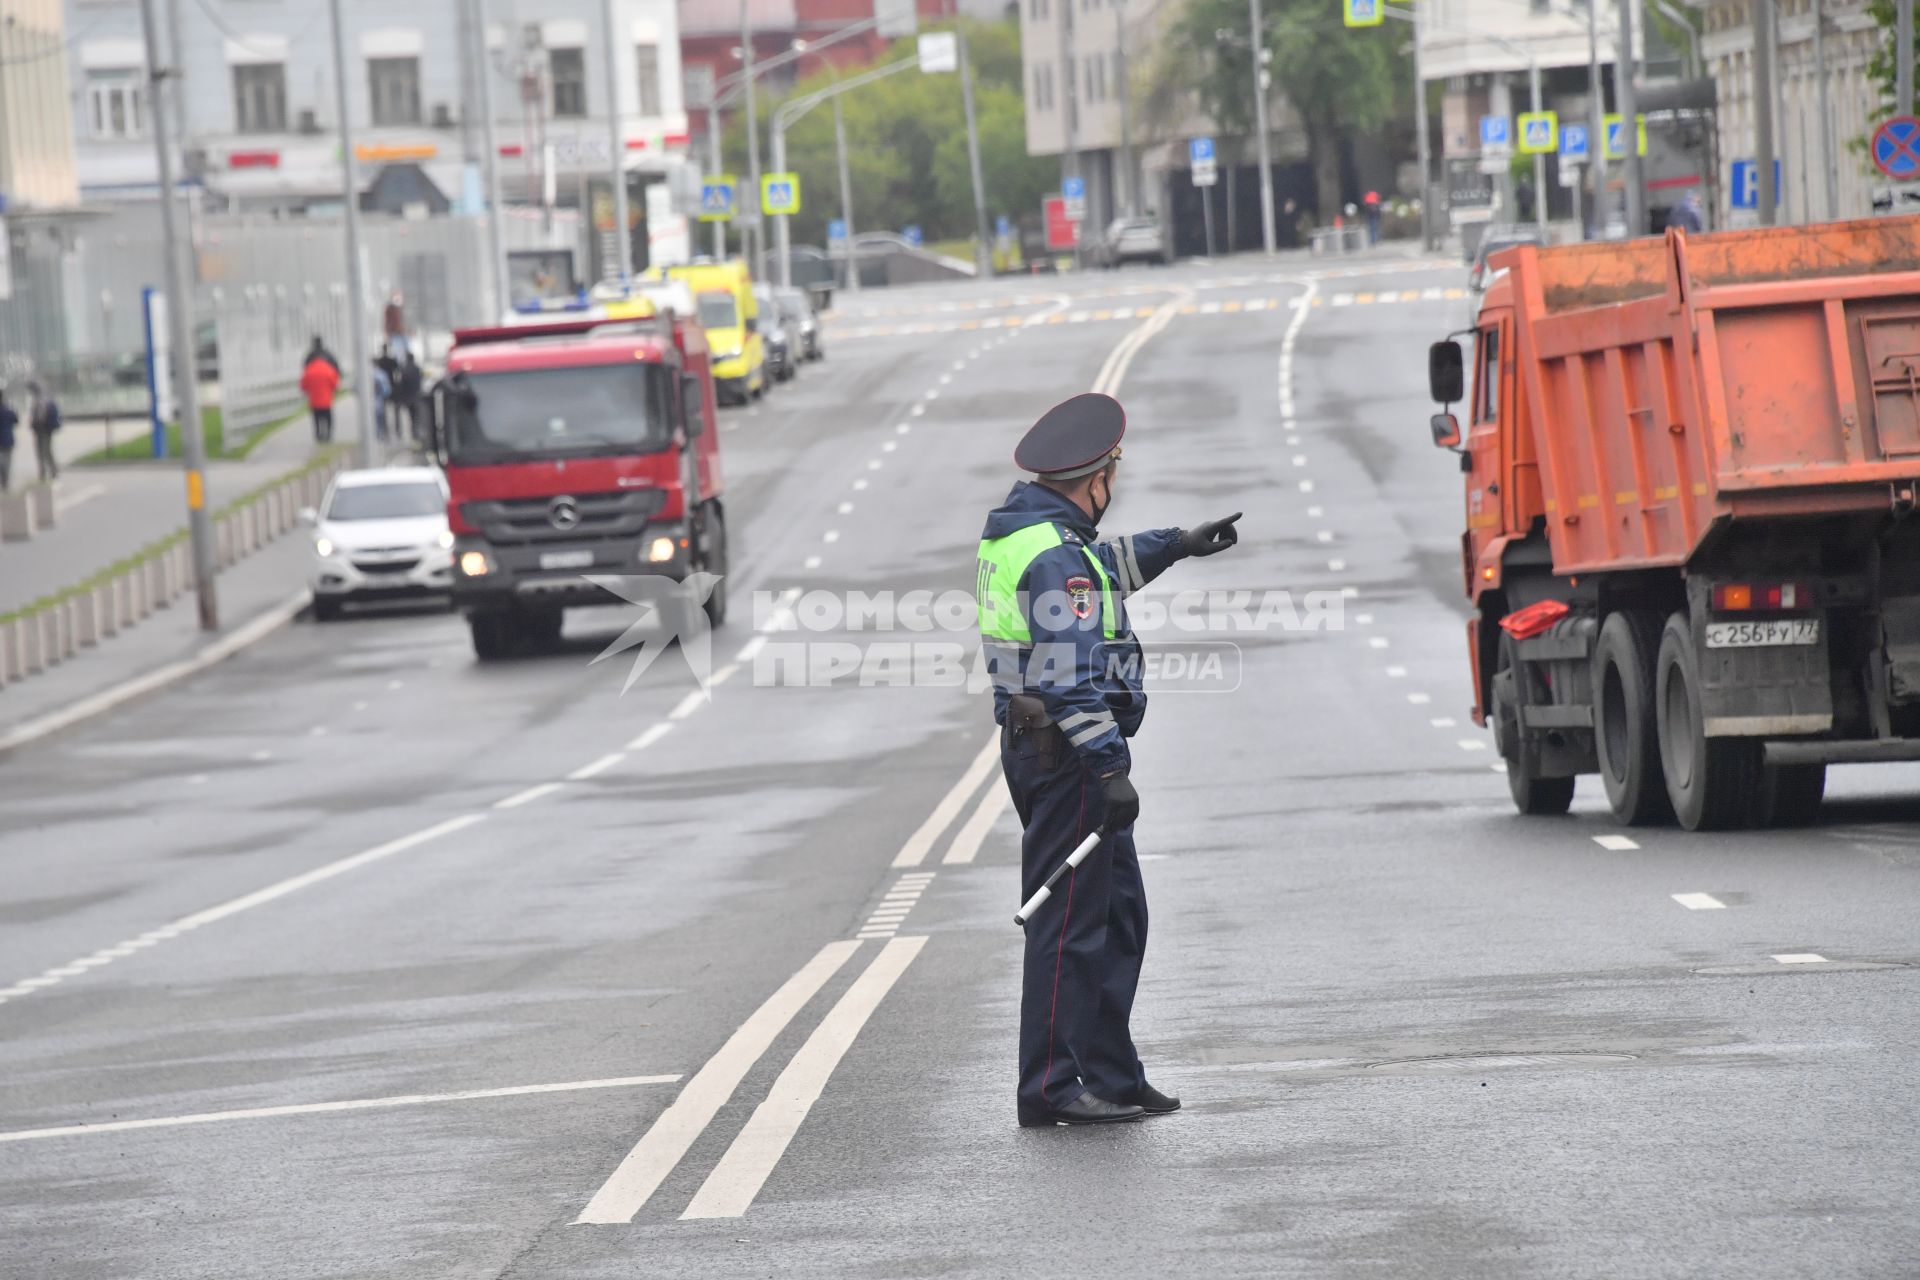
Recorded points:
753,324
693,406
1446,372
1446,430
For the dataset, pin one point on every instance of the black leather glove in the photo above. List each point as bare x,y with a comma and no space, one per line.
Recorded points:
1123,802
1210,538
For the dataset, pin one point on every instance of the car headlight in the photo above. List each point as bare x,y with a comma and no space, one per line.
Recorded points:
446,540
324,547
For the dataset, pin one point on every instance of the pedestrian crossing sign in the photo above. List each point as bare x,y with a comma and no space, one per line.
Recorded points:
1616,141
780,193
1539,133
717,195
1364,13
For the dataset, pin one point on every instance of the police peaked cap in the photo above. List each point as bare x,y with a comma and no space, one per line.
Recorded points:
1075,438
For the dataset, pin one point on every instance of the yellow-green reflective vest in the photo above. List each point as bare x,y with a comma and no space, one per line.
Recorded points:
1003,563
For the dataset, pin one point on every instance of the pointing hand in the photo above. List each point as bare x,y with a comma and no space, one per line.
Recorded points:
1210,538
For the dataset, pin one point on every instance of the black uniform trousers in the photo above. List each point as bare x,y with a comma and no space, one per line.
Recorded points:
1084,946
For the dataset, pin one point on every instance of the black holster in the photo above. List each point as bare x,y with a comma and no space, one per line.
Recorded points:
1028,714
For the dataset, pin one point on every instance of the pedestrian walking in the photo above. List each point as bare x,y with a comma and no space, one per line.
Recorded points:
9,420
410,392
43,419
1688,215
1067,694
393,325
1523,198
1372,206
320,382
382,396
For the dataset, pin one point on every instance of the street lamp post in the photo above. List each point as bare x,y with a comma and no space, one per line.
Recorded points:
186,373
846,198
983,252
496,233
1260,123
356,271
617,143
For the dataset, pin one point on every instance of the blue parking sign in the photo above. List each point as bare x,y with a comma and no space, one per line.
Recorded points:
836,231
1573,142
1744,190
1200,150
911,233
1003,227
1495,133
1073,188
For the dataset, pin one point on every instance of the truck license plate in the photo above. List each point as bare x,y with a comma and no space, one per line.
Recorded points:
565,559
1749,635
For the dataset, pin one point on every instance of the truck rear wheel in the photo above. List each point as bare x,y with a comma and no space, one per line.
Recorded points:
1792,794
1715,783
1532,793
1624,723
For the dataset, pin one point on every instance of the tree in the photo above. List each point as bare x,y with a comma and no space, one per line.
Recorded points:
1342,82
907,143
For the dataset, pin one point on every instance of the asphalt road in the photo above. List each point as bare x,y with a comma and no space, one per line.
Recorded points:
515,976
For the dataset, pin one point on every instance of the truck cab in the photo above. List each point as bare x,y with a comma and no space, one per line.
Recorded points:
577,446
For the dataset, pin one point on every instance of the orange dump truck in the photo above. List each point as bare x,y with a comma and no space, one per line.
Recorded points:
1691,467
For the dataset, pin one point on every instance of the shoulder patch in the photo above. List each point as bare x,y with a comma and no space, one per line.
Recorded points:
1070,537
1080,596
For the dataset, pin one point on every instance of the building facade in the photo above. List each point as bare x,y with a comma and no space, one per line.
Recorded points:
258,114
36,141
1816,118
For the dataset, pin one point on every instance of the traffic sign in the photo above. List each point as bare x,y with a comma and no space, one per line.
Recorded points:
1364,13
719,197
836,232
1896,148
1062,232
939,51
1003,228
1206,171
1199,149
1539,133
911,234
1617,136
1744,191
1496,135
779,193
1074,192
1573,144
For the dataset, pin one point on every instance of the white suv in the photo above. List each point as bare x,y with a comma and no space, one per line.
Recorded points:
380,535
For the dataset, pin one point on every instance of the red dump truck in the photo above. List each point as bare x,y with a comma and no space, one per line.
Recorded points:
1691,546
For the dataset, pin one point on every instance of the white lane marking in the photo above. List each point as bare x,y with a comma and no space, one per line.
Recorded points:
750,650
359,706
1324,535
1473,744
320,1108
1419,699
859,484
1363,619
888,446
1801,957
918,410
1618,844
528,796
1442,722
974,833
1699,901
723,675
893,914
782,611
651,736
258,897
933,393
1314,513
874,933
1337,566
1377,642
813,562
1396,673
688,705
395,685
259,756
914,851
88,494
904,428
946,378
1299,459
831,535
1306,486
873,464
662,1146
845,508
598,767
744,1169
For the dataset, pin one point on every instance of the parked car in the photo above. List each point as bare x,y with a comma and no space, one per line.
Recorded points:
780,336
1132,240
380,535
796,312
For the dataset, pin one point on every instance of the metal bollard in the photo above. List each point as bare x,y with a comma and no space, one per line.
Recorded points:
16,517
43,508
107,609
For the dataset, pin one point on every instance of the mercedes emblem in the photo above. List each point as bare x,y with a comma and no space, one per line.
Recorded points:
563,513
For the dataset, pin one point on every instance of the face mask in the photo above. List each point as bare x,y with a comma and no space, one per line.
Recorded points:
1100,509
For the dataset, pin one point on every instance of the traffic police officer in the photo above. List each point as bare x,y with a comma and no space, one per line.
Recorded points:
1067,694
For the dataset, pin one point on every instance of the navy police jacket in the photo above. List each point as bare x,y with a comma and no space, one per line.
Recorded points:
1053,618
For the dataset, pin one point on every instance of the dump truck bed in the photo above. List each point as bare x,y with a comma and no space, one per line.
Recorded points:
1674,385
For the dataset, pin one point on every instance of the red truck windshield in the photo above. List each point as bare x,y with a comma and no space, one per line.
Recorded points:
565,412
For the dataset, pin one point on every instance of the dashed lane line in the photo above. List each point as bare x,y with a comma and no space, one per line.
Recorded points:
651,736
327,1108
1800,957
536,792
663,1145
750,1161
1699,901
1616,843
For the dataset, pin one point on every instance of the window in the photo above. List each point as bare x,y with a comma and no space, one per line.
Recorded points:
697,85
115,103
396,90
568,70
260,98
1487,388
646,65
390,501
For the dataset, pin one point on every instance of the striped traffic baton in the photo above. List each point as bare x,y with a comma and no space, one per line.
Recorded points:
1045,891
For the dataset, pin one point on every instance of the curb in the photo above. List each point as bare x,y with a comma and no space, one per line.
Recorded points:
253,630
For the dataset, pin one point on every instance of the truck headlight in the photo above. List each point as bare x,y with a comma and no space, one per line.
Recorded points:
660,550
473,564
